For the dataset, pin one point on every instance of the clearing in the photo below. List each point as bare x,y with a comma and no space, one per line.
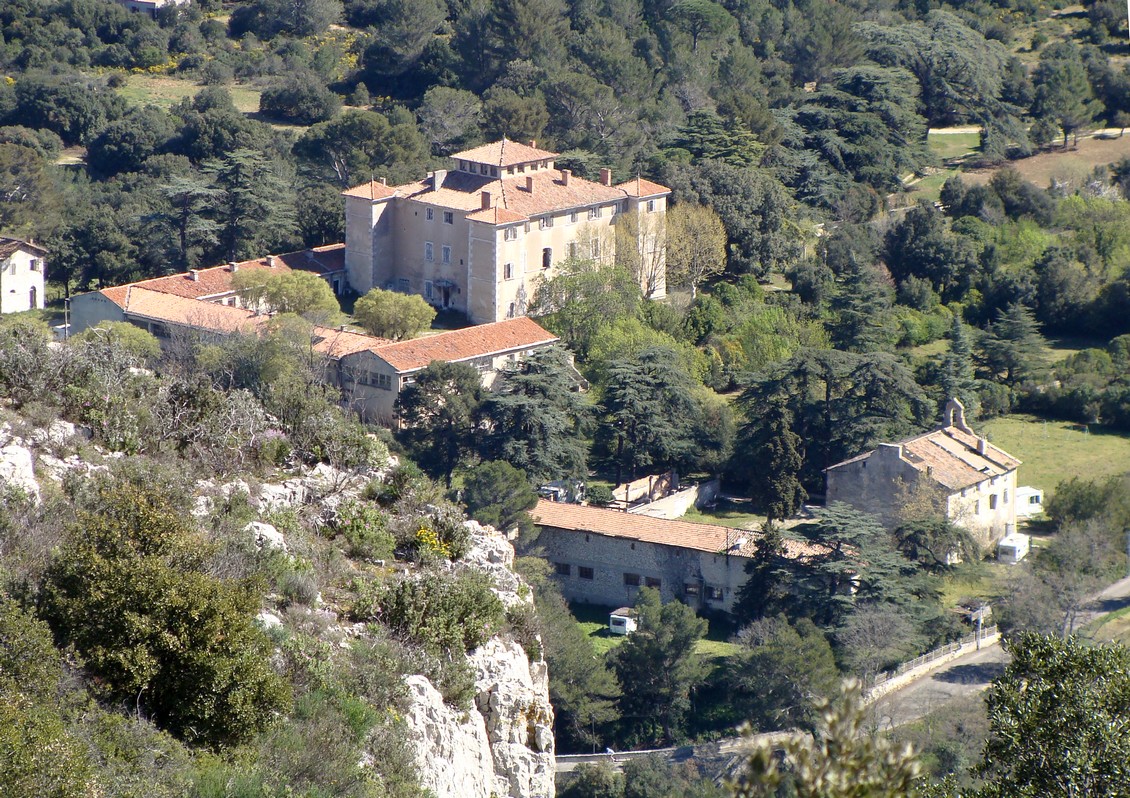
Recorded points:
164,92
1054,451
1071,165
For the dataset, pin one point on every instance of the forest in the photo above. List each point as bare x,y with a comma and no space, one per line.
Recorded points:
817,305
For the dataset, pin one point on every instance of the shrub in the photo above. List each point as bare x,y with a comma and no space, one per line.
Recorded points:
301,99
365,530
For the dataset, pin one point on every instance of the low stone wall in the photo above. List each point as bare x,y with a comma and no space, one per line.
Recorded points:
933,661
676,505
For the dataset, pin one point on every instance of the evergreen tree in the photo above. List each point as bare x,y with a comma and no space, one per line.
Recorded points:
441,413
775,473
1012,347
658,669
538,420
861,311
957,380
255,207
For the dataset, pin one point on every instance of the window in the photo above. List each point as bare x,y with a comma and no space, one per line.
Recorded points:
547,257
1033,499
429,251
651,206
573,217
510,234
993,502
384,382
544,222
571,248
651,581
447,254
562,568
35,264
403,285
596,247
690,590
632,580
510,314
428,289
448,217
430,214
494,171
713,593
977,507
583,572
507,271
1006,496
594,213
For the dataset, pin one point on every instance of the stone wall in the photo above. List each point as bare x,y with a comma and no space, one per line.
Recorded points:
601,569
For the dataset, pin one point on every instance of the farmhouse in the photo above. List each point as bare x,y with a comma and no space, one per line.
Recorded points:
480,236
960,473
605,556
22,273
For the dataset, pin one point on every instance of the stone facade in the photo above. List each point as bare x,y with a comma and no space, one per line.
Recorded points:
479,238
951,468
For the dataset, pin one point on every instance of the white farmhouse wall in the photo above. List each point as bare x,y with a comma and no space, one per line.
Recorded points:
21,282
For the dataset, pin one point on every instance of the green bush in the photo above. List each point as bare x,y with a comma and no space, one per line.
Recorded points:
365,531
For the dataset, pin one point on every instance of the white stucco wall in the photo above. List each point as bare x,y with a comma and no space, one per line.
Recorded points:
22,281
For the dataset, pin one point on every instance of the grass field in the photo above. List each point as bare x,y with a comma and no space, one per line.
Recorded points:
593,619
1071,165
948,146
165,92
1053,451
1114,627
726,514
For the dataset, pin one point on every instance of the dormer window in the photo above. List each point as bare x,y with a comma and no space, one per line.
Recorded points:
494,171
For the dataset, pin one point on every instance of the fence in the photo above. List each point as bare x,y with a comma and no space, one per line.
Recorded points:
930,656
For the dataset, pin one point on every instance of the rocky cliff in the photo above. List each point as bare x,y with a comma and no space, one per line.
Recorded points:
504,747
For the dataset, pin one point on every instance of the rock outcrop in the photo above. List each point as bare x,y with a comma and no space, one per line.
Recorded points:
505,747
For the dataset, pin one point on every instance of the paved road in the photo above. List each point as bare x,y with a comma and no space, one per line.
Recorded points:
968,674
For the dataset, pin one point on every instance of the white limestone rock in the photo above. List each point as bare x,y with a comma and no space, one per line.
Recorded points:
17,468
265,536
513,699
491,552
452,751
274,497
268,620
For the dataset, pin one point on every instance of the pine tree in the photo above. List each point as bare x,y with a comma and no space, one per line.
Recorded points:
861,311
775,483
1013,346
957,380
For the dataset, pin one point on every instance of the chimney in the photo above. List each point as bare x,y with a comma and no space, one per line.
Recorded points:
606,177
529,184
533,144
565,175
271,261
233,267
194,275
438,177
981,446
384,181
485,200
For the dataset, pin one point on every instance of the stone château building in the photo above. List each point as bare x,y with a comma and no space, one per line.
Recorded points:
480,236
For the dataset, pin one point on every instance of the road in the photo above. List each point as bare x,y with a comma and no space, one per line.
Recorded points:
966,675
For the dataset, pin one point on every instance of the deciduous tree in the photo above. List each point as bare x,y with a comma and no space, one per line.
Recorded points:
389,314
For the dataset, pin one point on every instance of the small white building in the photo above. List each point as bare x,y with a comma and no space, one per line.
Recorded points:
23,271
1013,548
622,621
1029,501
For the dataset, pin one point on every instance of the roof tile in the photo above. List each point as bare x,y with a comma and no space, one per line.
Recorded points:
465,344
681,534
504,153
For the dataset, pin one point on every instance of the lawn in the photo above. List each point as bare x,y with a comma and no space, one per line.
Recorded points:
949,145
929,187
1072,165
593,619
1114,627
1053,451
726,513
165,92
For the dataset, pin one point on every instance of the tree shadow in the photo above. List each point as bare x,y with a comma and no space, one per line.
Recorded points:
980,673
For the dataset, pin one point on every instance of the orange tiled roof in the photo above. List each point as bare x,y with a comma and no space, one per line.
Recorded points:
504,153
337,343
681,534
465,344
172,309
950,456
217,280
11,245
463,191
642,188
374,189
